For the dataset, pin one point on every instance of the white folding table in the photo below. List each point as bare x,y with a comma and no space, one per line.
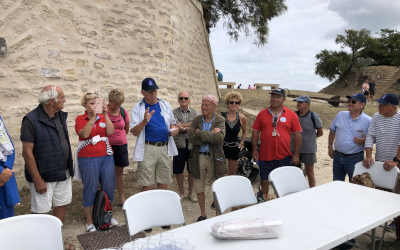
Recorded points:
318,218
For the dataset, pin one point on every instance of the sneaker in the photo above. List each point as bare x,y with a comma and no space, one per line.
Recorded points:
193,198
90,228
201,218
113,222
392,226
148,230
212,206
260,197
166,227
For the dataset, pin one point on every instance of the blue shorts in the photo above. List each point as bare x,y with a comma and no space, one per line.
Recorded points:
267,166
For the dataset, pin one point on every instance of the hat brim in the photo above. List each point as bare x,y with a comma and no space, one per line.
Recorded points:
150,88
299,100
384,102
278,93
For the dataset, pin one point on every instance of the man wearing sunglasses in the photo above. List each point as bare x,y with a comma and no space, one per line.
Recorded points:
348,131
183,117
276,124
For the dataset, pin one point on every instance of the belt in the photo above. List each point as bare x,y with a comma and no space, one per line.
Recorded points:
204,153
158,144
342,154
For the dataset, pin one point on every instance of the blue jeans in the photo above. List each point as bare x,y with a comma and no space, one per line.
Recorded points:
343,165
94,170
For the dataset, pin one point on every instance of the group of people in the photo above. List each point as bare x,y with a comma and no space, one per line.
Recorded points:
201,141
368,87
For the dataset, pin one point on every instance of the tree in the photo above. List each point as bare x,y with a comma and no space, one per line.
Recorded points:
333,64
247,16
385,49
355,40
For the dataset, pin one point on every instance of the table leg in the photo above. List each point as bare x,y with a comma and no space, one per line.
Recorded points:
373,239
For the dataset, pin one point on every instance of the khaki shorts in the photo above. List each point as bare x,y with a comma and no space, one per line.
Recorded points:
156,166
206,170
58,194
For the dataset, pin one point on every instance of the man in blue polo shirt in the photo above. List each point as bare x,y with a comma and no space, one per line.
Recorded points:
348,131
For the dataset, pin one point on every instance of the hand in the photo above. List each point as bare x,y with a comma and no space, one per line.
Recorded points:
40,186
197,130
174,131
216,130
388,165
91,111
295,159
360,141
179,126
241,145
1,183
147,115
331,152
105,109
368,161
255,155
6,175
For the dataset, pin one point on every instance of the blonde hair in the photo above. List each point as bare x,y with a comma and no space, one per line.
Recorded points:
232,95
116,95
87,97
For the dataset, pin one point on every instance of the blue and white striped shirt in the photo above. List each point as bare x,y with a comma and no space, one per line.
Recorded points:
386,132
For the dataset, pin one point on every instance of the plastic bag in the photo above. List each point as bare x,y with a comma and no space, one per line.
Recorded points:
241,229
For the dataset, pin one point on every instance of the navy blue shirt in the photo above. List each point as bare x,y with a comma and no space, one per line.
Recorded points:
156,130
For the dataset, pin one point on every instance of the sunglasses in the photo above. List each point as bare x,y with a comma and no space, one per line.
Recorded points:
237,103
186,98
350,101
275,122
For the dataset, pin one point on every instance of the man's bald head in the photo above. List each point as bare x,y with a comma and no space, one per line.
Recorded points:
183,92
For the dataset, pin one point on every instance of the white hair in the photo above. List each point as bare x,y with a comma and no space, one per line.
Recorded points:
46,95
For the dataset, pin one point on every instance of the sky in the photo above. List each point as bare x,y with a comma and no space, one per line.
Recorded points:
295,37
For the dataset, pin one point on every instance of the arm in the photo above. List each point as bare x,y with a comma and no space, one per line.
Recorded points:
136,130
175,129
388,165
5,175
297,146
126,127
320,132
254,142
216,136
109,125
331,139
369,144
243,123
192,136
31,167
87,129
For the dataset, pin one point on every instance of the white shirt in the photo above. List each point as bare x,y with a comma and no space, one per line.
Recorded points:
137,117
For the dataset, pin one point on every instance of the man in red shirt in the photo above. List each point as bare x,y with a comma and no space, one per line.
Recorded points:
276,124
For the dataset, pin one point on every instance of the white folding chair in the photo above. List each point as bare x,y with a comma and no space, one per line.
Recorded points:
382,179
231,191
152,209
32,231
287,180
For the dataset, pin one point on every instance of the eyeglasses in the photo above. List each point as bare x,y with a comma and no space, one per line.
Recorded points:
351,101
237,103
204,104
275,122
186,98
89,94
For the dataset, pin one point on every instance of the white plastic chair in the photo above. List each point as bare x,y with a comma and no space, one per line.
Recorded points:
152,209
382,179
287,180
231,191
32,231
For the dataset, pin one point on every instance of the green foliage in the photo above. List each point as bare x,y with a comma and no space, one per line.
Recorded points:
355,40
243,16
332,64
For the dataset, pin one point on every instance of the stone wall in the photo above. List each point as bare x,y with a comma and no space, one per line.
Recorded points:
83,46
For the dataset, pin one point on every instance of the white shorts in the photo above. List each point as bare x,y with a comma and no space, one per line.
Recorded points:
58,194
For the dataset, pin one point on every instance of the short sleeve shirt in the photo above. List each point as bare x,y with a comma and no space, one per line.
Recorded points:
99,128
308,136
119,136
156,129
276,147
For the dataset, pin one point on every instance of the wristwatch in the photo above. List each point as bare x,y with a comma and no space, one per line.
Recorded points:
184,129
395,159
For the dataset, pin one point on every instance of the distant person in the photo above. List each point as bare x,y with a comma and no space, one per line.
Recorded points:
275,124
240,85
249,87
348,131
309,121
219,76
365,88
371,90
379,77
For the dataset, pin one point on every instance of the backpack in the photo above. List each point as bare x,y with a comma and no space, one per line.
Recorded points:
312,117
122,110
102,211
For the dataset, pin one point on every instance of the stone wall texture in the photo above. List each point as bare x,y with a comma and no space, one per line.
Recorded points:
84,46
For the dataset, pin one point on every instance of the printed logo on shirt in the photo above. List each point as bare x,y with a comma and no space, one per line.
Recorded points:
161,114
283,119
102,125
150,83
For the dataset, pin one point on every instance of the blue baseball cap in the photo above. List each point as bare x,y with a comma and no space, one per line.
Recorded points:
149,84
390,98
303,98
359,97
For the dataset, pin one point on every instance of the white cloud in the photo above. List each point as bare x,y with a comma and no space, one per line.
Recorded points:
308,27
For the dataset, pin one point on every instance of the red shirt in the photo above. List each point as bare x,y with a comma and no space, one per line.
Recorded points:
276,147
99,128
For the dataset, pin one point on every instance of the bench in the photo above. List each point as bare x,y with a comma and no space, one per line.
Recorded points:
261,85
229,85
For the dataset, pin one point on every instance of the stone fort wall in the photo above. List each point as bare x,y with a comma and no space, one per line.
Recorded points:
83,46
